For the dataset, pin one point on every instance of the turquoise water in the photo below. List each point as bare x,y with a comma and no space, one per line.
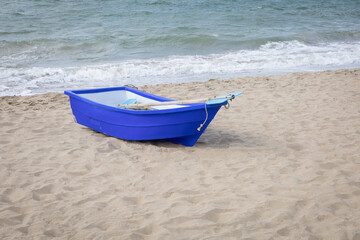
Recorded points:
50,45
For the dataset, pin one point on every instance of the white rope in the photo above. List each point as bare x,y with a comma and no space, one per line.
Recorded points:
201,125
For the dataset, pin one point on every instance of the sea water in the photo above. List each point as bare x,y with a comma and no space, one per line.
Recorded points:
53,45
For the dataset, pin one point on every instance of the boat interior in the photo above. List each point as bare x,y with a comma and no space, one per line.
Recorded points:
114,98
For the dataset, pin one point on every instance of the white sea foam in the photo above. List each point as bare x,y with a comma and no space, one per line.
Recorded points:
270,58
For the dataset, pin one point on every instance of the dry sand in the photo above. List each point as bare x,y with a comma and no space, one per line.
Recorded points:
282,163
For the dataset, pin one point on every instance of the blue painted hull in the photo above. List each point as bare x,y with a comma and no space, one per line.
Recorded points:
178,125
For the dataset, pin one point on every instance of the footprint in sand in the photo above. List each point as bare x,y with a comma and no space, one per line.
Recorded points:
52,233
12,195
12,216
39,194
295,147
147,230
283,231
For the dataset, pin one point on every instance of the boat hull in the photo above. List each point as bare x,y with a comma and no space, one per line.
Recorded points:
180,125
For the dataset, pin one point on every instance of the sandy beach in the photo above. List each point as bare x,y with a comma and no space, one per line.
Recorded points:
282,163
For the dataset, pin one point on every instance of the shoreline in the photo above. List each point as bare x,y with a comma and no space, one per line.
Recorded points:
247,77
82,77
282,162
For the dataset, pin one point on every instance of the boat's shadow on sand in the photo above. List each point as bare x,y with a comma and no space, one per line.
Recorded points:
212,138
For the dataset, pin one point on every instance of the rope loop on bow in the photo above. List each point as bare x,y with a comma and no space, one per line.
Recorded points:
227,106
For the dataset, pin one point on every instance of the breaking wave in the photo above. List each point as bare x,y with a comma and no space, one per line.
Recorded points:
269,58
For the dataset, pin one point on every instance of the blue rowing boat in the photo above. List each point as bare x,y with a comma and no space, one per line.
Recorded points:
131,114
